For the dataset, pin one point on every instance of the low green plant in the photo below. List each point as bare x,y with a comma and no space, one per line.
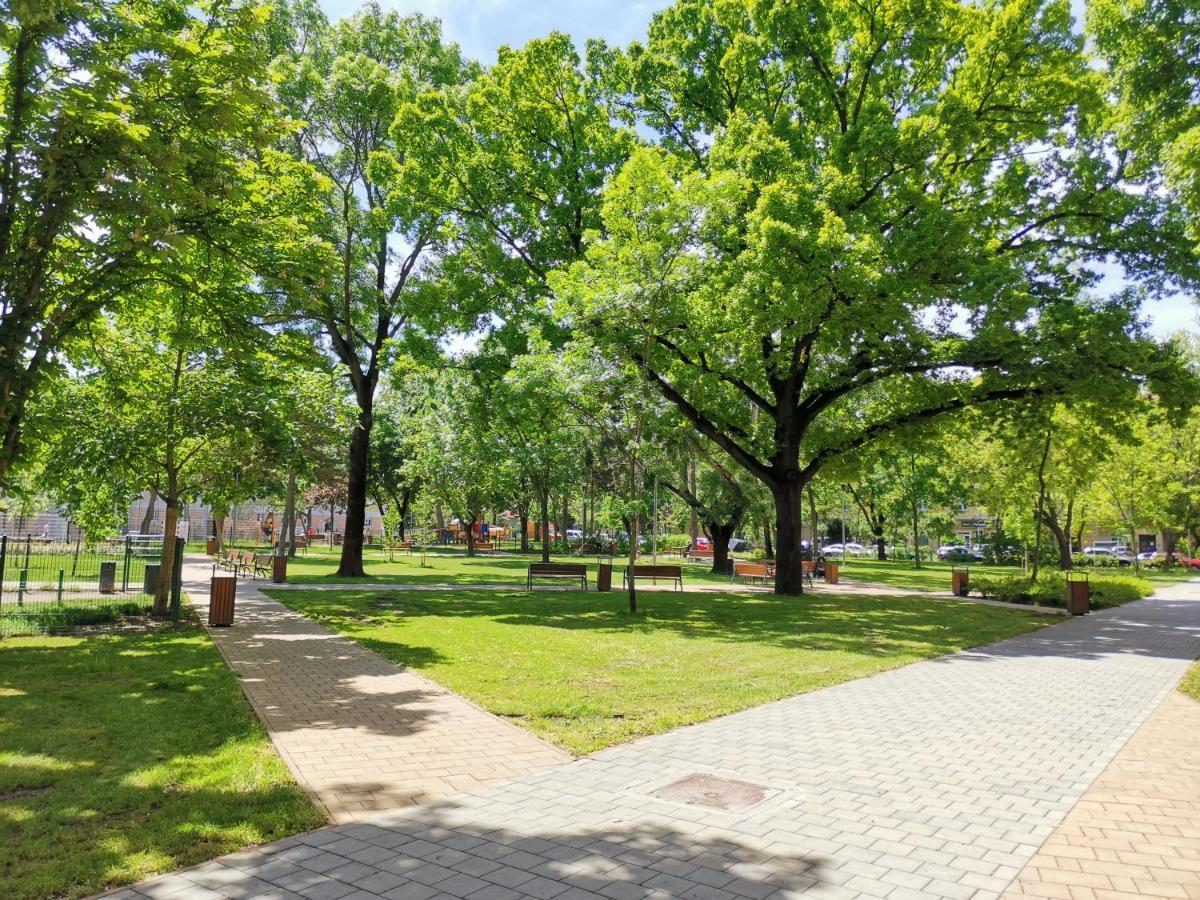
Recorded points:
1050,589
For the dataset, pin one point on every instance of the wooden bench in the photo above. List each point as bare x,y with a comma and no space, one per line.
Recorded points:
261,563
390,547
671,573
807,568
233,561
556,570
483,547
699,555
753,570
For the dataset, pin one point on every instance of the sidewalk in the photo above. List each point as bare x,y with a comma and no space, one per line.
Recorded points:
358,732
940,779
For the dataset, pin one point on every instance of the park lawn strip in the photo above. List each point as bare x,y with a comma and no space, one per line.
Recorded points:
447,566
128,755
578,670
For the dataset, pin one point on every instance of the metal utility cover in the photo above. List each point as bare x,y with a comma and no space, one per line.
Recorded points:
713,792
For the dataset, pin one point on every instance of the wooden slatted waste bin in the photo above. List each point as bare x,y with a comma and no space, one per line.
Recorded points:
960,582
831,572
220,599
278,569
1078,594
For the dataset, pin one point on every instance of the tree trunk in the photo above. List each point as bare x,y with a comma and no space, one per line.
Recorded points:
768,550
880,543
523,516
351,565
287,540
694,518
405,502
166,571
633,555
720,533
812,518
566,512
544,500
218,529
916,528
471,536
789,525
148,518
1039,512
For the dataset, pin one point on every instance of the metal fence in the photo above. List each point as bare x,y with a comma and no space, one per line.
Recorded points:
46,585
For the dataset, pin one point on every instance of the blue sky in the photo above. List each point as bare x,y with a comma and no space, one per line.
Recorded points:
480,26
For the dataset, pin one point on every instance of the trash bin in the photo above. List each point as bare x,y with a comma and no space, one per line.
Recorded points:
604,577
221,593
1078,594
150,578
278,569
108,577
960,582
210,546
831,572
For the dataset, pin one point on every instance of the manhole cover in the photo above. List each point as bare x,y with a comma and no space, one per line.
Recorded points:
713,792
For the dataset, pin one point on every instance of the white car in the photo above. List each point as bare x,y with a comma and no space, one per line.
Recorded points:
850,549
574,534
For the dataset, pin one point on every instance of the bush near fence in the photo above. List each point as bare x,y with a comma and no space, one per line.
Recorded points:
46,585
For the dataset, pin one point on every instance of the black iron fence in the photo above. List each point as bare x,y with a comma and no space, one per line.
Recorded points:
47,585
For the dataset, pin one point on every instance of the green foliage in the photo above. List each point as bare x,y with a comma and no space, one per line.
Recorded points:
138,150
1050,589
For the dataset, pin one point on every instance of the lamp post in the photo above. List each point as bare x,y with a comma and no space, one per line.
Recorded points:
844,488
654,533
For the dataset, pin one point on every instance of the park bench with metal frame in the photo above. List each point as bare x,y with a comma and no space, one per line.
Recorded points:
697,554
556,570
752,570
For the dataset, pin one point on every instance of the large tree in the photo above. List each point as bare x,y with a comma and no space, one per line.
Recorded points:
861,216
345,84
132,134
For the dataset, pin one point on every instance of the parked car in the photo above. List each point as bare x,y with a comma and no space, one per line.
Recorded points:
959,552
740,545
850,549
1121,556
703,543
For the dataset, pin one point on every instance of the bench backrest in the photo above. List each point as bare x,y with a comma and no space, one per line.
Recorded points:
540,568
700,551
808,566
659,571
758,570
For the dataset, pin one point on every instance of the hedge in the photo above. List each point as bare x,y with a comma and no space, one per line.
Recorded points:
1050,589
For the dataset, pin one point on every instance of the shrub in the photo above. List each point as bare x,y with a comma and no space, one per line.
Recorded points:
1050,589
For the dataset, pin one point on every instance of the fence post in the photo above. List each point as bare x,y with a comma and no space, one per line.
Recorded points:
125,576
3,557
21,582
60,586
177,579
28,548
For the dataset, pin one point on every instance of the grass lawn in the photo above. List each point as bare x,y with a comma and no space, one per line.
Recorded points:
453,566
127,755
579,671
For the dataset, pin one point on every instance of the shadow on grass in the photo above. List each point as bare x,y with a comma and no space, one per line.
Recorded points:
854,623
122,756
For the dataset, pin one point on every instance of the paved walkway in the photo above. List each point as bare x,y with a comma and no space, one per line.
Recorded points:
940,779
358,732
1136,832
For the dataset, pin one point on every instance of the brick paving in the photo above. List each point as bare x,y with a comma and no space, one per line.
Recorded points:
1136,832
941,779
360,733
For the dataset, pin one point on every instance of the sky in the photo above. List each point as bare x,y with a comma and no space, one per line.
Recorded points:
481,26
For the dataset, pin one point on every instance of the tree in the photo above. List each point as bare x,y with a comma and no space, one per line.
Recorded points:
345,83
859,218
160,398
1152,48
135,134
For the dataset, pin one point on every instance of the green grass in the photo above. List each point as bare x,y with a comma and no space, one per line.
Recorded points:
904,574
579,671
124,756
453,566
